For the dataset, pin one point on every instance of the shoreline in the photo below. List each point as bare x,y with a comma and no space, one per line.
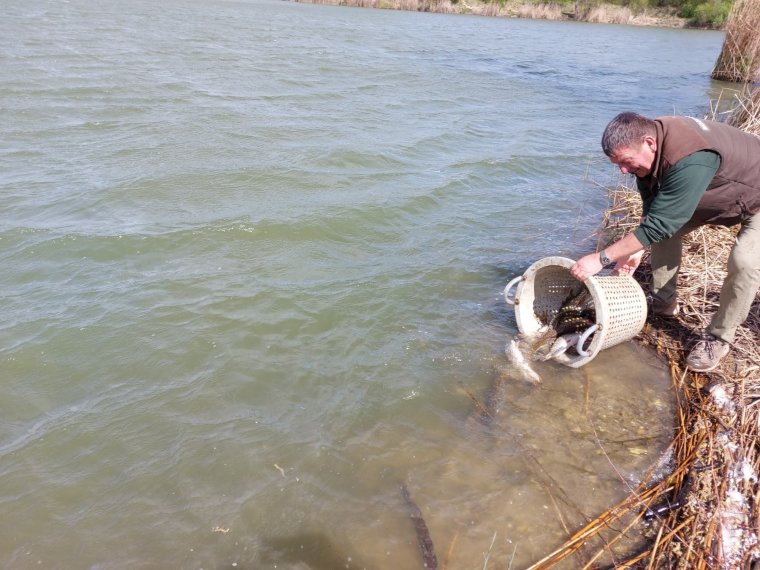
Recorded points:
601,13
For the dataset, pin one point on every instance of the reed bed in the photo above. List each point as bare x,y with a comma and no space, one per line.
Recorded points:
739,59
594,12
610,14
705,514
540,11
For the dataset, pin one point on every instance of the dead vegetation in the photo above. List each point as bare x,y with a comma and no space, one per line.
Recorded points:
539,11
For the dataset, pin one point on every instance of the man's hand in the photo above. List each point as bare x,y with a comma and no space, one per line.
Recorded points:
628,265
627,252
586,266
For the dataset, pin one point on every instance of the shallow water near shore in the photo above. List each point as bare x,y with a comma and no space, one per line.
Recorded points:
253,255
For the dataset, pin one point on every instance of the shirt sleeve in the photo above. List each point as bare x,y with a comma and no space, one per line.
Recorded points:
674,204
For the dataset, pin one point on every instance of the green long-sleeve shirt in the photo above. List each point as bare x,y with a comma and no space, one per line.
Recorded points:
668,209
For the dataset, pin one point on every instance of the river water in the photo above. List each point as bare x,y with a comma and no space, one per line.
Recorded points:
252,256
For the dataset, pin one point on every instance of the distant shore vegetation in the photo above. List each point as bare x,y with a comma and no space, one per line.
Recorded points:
711,14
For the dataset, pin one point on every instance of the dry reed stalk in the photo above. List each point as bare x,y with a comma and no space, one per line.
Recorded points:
746,115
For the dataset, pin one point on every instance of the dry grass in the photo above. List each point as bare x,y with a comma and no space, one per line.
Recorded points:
663,17
608,14
540,11
746,114
739,60
712,496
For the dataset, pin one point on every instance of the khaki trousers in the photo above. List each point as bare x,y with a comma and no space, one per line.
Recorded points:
739,288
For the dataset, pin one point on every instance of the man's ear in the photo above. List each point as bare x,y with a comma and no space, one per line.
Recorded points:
651,143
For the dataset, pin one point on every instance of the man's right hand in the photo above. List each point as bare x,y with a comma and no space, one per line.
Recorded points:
586,266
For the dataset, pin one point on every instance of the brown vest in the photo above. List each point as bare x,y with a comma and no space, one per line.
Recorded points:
734,192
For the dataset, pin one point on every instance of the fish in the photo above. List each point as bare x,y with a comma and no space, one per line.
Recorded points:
425,542
576,312
561,344
519,364
490,407
573,324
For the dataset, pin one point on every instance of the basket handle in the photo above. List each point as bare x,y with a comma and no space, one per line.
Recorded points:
508,288
583,338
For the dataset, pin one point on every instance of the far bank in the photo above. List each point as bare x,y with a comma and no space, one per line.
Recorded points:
581,12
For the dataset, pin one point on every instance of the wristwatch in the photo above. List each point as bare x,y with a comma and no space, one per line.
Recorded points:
604,259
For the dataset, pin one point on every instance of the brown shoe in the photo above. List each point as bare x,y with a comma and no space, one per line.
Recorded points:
661,309
706,354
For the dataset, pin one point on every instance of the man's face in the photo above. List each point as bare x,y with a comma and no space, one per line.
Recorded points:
635,159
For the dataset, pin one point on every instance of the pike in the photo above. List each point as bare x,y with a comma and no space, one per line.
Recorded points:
575,315
429,559
562,344
519,364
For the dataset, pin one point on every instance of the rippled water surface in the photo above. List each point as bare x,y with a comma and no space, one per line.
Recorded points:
252,255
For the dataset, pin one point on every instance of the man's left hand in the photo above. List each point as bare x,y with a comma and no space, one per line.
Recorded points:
628,265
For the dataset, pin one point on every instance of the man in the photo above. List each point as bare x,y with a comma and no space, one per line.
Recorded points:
690,173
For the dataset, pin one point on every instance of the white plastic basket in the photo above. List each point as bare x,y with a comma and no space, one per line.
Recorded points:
619,303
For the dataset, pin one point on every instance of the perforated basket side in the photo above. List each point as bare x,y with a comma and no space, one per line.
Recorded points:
545,286
624,308
553,285
621,311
